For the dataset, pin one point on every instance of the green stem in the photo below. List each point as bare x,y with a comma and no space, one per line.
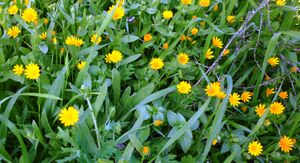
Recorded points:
95,122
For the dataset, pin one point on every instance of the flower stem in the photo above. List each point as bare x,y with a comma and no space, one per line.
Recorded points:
95,123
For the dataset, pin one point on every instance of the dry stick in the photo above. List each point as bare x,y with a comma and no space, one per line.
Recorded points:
239,32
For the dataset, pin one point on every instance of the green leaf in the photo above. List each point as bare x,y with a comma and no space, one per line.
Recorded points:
116,85
217,123
185,127
15,131
130,59
129,38
42,95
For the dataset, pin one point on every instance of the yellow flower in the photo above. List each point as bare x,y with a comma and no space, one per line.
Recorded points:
260,109
12,10
168,14
214,142
280,2
194,31
276,108
204,3
244,108
32,71
43,36
221,94
194,17
246,96
114,57
73,41
213,89
53,33
157,122
202,23
146,150
227,51
234,99
255,148
286,144
283,95
217,42
156,63
183,38
81,65
230,19
267,122
208,54
46,21
216,7
119,13
294,69
184,87
54,40
273,61
183,58
29,15
166,45
69,117
26,2
147,37
270,91
13,31
96,39
186,2
18,70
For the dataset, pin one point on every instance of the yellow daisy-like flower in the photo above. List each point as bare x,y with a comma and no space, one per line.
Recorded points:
202,23
221,94
273,61
157,122
216,7
166,45
29,15
217,42
156,63
276,108
286,144
32,71
119,13
184,87
12,10
69,117
186,2
74,41
246,96
244,108
183,58
213,89
96,39
283,95
13,31
260,109
234,99
208,54
147,37
280,2
54,40
46,21
43,36
81,65
230,19
214,142
294,69
182,38
18,70
269,91
204,3
255,148
114,57
146,150
227,51
168,14
194,31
